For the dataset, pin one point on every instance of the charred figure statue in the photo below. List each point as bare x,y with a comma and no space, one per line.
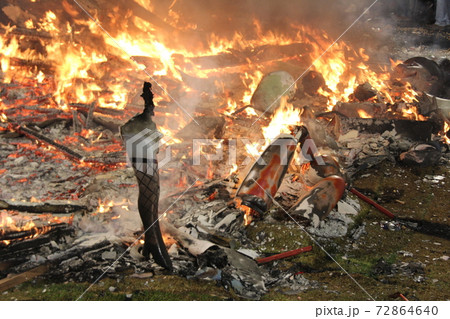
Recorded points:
141,140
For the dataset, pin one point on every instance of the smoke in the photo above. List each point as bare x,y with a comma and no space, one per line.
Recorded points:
224,18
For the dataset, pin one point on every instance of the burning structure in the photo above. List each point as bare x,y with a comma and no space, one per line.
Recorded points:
303,109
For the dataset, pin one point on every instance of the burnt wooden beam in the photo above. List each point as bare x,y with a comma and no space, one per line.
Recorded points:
77,251
14,280
17,252
203,127
30,133
25,32
55,207
42,65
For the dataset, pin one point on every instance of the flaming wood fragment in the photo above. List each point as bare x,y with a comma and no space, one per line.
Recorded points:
76,122
27,233
313,81
354,109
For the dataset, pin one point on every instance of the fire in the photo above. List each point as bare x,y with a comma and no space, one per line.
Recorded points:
80,77
363,114
210,172
13,222
233,169
445,133
29,24
284,117
82,73
254,80
248,212
8,222
106,206
412,113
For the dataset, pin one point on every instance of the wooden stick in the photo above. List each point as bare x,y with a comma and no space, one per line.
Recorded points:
284,255
56,207
374,204
15,280
30,133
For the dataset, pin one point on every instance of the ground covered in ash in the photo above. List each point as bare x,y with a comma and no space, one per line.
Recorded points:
408,256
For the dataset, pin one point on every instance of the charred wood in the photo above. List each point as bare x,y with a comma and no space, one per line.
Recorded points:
203,127
85,109
90,115
30,133
56,208
41,65
365,91
78,250
354,109
111,123
34,231
19,251
415,130
15,280
312,82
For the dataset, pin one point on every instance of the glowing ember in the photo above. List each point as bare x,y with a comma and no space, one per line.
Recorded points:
106,206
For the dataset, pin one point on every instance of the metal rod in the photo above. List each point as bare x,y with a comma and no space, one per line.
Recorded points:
286,254
374,204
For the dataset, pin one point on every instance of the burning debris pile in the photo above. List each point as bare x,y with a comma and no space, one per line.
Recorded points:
305,116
